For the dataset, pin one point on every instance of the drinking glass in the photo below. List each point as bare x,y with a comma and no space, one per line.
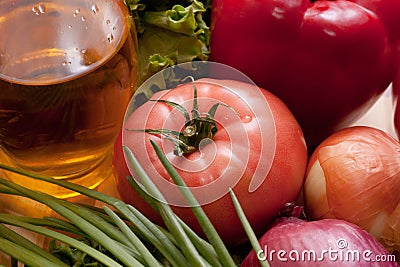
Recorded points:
67,72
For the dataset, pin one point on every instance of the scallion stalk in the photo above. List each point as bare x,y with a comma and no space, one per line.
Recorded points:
58,236
202,218
247,227
189,250
84,225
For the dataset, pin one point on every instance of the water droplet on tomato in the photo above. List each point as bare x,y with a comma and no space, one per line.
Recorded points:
76,12
246,118
95,9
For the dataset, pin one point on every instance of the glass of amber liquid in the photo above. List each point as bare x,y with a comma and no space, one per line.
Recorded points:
68,69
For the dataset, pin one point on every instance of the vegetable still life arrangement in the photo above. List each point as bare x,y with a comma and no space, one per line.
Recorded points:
237,148
247,140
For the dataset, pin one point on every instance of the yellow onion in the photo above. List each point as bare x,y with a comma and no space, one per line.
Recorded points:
354,175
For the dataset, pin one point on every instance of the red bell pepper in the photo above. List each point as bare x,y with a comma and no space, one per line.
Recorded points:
329,61
396,94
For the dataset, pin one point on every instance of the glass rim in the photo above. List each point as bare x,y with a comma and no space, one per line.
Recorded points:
119,42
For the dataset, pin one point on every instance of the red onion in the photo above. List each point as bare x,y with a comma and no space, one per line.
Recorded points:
328,242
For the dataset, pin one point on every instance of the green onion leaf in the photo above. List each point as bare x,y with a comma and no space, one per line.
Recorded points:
202,218
247,227
166,212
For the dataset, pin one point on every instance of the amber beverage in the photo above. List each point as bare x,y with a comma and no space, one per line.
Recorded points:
67,72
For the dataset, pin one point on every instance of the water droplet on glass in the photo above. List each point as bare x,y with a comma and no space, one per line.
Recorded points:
110,38
83,51
77,11
95,9
114,28
35,10
83,18
246,118
108,21
42,8
69,26
64,63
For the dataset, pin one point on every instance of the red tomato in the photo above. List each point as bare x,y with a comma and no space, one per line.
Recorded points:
327,60
258,150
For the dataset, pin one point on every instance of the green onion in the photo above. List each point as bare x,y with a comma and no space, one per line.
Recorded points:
165,244
202,218
83,224
26,255
58,236
30,247
166,213
247,227
148,257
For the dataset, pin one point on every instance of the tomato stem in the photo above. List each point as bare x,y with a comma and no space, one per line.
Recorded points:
197,126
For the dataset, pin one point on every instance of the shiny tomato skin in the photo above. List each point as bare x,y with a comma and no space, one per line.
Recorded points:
282,184
329,61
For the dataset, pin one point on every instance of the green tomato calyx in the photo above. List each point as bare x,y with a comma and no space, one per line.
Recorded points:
197,126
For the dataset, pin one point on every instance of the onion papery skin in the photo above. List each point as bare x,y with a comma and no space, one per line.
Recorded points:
354,175
327,242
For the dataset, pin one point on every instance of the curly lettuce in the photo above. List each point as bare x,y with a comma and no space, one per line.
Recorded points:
170,32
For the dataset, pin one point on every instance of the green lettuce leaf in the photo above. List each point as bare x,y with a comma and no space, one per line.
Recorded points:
170,32
159,49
